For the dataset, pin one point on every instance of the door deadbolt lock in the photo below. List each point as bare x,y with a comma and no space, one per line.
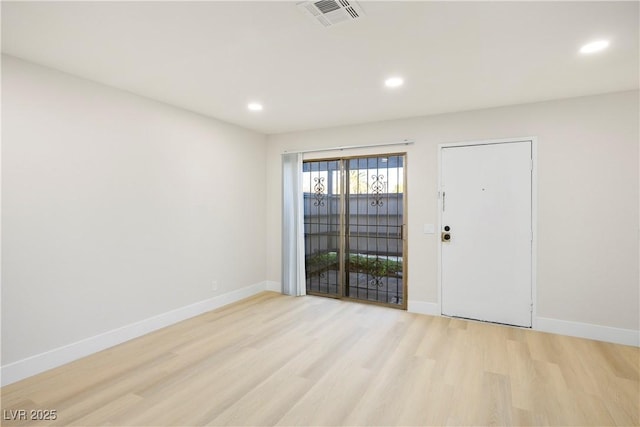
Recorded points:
445,237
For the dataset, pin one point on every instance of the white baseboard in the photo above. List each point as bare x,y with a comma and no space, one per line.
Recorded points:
590,331
561,327
273,286
38,363
423,307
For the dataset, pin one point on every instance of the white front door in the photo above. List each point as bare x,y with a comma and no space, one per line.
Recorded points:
486,269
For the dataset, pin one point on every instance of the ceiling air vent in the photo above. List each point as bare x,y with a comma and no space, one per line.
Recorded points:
331,12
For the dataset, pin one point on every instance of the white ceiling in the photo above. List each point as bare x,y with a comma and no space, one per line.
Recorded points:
215,57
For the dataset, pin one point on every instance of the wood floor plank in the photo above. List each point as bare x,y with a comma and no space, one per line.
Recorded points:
277,360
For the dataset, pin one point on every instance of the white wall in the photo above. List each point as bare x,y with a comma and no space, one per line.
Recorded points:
587,197
116,208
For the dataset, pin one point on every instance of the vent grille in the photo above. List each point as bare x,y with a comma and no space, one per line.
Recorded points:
331,12
326,6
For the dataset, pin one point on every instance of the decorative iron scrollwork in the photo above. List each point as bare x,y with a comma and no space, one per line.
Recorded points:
377,188
376,281
318,190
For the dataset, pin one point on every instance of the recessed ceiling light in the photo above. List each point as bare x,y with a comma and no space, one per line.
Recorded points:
394,82
594,46
254,106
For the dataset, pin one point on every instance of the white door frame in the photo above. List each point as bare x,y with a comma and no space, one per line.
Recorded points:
534,215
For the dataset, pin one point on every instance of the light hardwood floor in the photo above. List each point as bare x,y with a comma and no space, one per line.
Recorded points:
276,360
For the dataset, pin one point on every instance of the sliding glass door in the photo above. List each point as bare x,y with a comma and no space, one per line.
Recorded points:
354,228
322,226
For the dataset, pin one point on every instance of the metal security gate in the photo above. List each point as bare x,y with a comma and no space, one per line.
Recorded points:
322,226
354,228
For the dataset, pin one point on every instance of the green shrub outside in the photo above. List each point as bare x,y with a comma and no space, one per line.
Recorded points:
374,266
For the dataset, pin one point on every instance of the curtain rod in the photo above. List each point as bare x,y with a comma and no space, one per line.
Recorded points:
350,147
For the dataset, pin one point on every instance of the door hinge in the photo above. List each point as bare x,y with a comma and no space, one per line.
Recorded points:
531,165
443,198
